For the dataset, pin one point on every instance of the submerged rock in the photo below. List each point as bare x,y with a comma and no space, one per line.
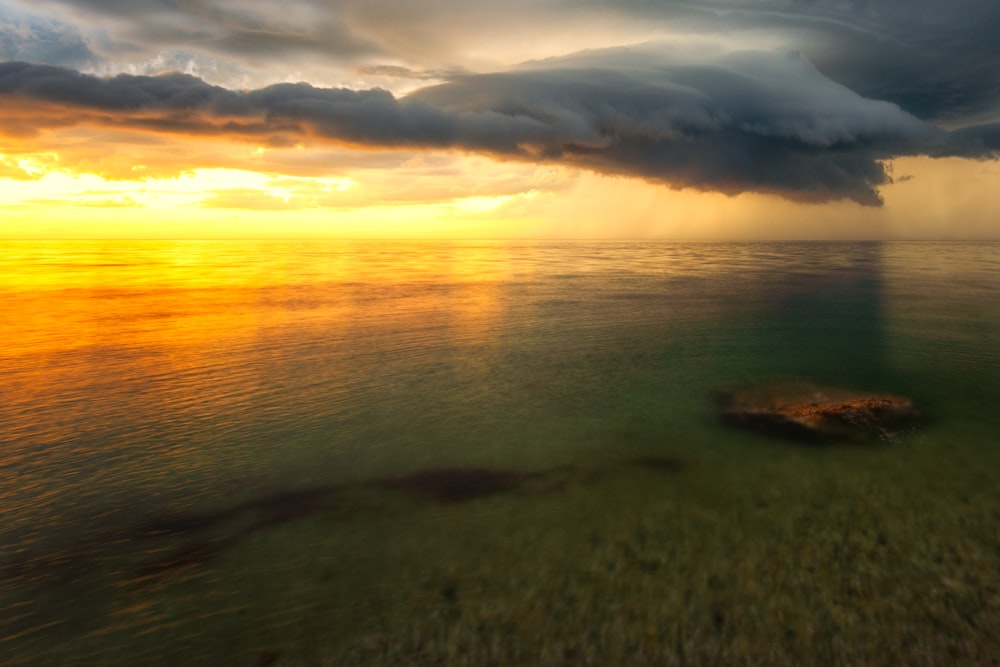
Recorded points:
807,412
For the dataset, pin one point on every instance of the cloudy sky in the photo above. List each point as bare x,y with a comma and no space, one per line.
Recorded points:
488,119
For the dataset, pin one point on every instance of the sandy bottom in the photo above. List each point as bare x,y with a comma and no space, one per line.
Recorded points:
744,551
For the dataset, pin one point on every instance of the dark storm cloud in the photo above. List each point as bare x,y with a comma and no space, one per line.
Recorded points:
976,141
937,60
749,121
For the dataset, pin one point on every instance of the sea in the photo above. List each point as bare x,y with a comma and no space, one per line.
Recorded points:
492,453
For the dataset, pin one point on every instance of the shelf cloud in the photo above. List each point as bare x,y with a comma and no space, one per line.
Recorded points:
729,121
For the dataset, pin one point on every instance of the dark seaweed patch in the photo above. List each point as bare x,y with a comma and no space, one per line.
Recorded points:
455,485
269,510
201,536
661,463
168,525
192,554
240,520
268,658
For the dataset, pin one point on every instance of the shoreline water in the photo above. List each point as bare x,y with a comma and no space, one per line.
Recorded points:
260,398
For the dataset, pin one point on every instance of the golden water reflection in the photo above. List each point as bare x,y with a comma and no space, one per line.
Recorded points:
137,358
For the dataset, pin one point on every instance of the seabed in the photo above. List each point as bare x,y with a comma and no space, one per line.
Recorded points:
783,555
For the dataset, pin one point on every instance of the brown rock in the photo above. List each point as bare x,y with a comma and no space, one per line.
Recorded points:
807,412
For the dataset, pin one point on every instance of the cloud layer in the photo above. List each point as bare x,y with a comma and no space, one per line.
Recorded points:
726,122
936,60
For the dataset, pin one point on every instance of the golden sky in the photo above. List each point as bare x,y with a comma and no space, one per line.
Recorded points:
743,122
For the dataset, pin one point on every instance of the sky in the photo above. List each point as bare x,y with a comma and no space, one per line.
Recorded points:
725,119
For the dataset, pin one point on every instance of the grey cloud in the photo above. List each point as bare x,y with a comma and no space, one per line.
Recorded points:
37,39
250,30
735,122
401,72
936,60
171,92
976,141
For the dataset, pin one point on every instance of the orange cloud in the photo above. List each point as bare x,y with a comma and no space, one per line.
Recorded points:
20,169
257,200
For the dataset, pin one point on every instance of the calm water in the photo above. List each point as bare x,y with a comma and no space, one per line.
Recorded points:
258,453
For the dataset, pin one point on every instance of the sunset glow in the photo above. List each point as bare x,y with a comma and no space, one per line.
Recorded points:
417,332
751,121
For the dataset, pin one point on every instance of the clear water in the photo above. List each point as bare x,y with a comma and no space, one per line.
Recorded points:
273,395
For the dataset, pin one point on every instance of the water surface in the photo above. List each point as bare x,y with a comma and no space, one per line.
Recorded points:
490,452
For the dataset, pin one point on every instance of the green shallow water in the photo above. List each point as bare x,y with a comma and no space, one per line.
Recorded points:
207,449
